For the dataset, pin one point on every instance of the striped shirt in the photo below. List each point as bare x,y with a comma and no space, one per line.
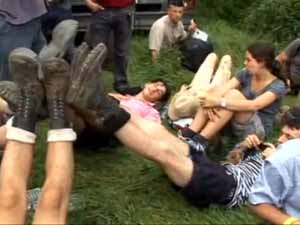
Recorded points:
245,175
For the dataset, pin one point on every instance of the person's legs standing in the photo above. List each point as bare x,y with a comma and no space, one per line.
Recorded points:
122,35
13,36
99,28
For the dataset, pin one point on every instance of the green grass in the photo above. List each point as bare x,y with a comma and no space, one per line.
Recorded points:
119,187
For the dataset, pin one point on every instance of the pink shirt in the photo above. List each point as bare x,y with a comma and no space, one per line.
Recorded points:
142,108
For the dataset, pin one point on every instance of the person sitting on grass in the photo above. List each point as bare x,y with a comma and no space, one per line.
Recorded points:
18,155
185,103
290,61
276,193
249,100
201,180
169,29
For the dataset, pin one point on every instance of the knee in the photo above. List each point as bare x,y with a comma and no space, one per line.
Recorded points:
12,197
52,197
234,94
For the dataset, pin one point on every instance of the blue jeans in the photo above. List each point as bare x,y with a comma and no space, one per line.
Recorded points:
117,21
26,35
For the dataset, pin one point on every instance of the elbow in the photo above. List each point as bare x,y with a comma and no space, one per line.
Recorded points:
254,106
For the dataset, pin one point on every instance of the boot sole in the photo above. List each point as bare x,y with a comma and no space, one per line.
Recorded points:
23,66
87,84
63,38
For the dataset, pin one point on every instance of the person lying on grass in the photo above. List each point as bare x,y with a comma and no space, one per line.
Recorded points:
276,192
201,180
17,160
144,104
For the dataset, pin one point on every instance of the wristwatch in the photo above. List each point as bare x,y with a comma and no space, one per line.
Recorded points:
223,103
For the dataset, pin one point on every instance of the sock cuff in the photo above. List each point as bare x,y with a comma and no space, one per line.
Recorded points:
116,121
18,134
65,134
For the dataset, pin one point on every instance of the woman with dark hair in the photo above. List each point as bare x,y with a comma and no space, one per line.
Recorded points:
250,100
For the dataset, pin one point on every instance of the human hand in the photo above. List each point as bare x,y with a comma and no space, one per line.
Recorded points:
251,141
208,101
212,114
269,151
193,26
92,5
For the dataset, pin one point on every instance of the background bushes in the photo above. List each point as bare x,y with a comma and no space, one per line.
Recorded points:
230,10
279,19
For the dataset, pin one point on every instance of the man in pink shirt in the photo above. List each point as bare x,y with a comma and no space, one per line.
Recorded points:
144,104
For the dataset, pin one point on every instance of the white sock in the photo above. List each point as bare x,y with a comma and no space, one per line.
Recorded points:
18,134
66,134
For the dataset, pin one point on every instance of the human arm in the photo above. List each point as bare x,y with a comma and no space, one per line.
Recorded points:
94,6
273,91
271,213
156,37
271,191
192,27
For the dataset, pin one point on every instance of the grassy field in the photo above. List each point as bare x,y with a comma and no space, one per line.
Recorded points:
118,187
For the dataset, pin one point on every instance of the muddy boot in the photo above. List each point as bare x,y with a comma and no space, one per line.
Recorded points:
57,75
88,97
24,69
63,37
87,79
9,91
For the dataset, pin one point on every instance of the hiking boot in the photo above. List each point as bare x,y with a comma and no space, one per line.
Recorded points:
57,75
89,99
63,37
23,66
9,91
86,82
78,59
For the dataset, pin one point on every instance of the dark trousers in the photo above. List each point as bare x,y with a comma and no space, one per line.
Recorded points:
117,21
28,35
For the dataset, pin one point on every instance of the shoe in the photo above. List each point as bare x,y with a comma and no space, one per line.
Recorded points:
78,59
56,79
197,142
63,37
86,83
127,90
89,99
23,66
9,91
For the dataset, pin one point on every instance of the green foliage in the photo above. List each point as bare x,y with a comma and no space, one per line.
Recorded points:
276,18
230,10
120,187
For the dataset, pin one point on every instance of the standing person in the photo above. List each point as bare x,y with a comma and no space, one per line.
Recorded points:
276,193
113,16
290,60
169,30
20,26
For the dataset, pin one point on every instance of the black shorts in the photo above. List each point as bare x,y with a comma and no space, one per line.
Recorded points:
209,184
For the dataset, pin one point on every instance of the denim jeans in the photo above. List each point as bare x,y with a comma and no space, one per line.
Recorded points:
117,21
27,35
